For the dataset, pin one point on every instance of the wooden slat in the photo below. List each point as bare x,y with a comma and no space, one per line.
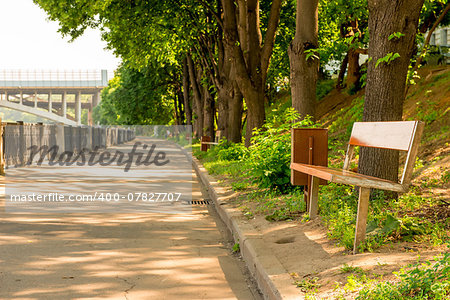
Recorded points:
361,218
348,177
411,158
300,152
348,157
313,197
386,135
318,171
203,143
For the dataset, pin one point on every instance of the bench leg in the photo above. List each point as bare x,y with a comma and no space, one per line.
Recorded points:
313,197
361,217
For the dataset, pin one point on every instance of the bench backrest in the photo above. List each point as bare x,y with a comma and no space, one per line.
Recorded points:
403,135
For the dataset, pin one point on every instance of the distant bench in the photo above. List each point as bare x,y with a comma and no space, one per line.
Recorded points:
404,136
205,141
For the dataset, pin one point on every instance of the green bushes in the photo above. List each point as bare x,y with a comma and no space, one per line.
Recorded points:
270,154
230,151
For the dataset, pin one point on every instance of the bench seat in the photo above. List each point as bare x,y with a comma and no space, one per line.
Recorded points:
348,177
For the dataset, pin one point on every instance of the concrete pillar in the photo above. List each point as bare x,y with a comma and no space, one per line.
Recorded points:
64,104
50,102
78,108
95,99
35,99
91,107
6,96
21,98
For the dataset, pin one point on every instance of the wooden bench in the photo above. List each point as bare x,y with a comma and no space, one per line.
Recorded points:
404,136
205,141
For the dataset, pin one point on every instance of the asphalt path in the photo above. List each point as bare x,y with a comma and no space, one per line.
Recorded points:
133,251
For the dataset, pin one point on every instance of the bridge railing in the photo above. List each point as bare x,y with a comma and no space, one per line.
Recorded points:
17,140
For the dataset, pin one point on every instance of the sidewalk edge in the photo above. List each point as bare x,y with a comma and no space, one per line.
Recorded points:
272,278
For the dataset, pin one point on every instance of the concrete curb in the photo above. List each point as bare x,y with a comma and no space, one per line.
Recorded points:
272,278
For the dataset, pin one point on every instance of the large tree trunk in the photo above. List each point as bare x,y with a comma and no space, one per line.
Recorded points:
222,111
386,83
235,117
304,72
254,99
197,97
249,57
209,111
187,105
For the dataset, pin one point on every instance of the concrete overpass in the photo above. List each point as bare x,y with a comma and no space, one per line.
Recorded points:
60,96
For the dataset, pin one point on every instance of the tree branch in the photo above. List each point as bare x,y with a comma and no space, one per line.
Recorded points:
428,38
214,13
362,51
269,39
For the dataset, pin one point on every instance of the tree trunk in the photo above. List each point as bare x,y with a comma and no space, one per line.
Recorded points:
304,72
235,117
187,105
180,105
254,99
386,83
353,70
340,80
197,97
250,61
175,108
222,111
179,95
209,111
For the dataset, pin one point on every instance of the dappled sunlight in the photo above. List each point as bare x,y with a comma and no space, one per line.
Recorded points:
113,255
15,239
74,255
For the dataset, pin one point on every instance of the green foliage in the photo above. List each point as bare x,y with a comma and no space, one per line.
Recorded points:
311,54
134,98
286,207
324,87
308,284
421,281
337,206
236,247
231,151
341,128
387,59
351,269
270,152
427,111
395,36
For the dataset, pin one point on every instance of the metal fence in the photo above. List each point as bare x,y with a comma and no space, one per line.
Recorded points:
18,139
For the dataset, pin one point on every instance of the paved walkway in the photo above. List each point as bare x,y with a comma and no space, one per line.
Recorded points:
132,255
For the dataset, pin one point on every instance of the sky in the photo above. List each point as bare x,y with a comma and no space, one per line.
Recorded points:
29,41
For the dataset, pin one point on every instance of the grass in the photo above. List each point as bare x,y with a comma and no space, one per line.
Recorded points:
428,280
411,218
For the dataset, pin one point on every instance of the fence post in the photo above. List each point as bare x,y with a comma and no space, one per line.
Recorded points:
2,150
60,138
89,138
